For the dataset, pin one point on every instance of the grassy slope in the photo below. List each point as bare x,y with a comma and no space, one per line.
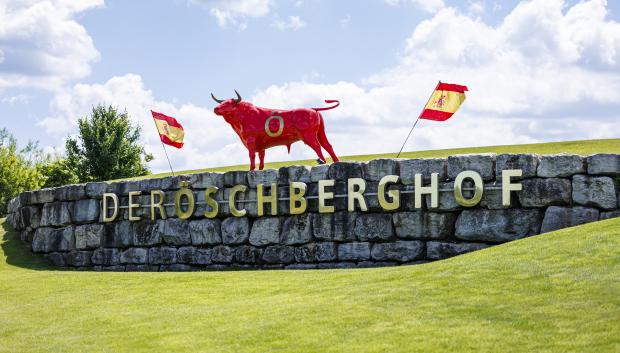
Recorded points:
585,147
554,292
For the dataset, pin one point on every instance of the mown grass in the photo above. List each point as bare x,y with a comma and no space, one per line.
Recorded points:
556,292
584,147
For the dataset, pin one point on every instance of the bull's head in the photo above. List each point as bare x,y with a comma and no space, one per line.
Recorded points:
228,106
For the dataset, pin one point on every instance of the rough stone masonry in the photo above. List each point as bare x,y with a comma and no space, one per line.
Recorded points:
557,191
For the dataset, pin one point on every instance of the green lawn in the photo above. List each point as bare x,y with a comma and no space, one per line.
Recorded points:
584,147
556,292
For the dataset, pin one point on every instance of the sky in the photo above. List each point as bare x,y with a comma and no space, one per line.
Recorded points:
537,71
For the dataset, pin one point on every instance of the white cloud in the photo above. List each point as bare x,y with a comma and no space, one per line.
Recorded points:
475,7
41,45
545,72
430,6
17,99
293,22
345,21
235,12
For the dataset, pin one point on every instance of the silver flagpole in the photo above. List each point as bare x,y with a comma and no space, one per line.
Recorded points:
416,120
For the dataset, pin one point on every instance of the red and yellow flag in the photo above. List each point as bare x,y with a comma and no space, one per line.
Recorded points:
170,131
444,102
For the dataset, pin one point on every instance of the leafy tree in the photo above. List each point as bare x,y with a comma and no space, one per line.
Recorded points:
58,172
18,168
107,147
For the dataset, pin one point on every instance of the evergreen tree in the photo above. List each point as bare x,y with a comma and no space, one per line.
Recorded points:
107,147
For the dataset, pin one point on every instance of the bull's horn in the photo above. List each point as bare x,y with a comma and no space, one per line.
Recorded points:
238,97
219,101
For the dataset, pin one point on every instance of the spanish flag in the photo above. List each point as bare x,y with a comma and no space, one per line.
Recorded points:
444,101
170,131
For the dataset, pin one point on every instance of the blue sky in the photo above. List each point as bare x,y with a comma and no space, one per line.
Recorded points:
540,70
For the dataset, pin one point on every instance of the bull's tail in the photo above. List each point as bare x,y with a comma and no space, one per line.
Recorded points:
328,108
322,137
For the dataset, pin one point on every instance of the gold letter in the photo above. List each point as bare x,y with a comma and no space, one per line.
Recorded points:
184,191
132,205
294,197
231,200
394,194
432,190
358,195
458,188
104,207
211,202
261,199
324,195
507,187
159,205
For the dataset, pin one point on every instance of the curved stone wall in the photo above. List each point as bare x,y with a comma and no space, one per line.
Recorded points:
67,224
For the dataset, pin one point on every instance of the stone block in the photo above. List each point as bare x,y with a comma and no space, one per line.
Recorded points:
141,268
147,233
401,251
437,250
492,197
560,165
497,225
410,167
374,226
162,255
202,256
265,231
176,232
562,217
176,268
265,177
186,254
604,164
297,229
134,256
206,231
43,240
222,254
344,226
235,178
594,191
43,196
545,192
446,199
79,258
528,163
235,230
609,215
294,173
106,257
319,172
345,170
146,185
323,226
279,254
30,217
118,235
301,267
85,211
423,225
56,214
57,259
70,192
89,236
316,252
356,251
483,164
95,190
246,254
337,265
378,168
207,179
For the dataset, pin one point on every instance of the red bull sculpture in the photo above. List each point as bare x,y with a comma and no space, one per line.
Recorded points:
262,128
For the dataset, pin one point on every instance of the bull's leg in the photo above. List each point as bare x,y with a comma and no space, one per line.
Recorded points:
311,140
325,143
252,155
261,158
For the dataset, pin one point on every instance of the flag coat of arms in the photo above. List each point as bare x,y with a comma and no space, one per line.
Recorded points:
445,101
170,131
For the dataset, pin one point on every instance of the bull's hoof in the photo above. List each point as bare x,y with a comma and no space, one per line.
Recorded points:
320,161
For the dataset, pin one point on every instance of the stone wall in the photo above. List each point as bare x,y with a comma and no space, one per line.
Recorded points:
559,191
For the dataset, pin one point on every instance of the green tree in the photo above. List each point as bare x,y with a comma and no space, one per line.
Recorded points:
107,147
18,168
57,172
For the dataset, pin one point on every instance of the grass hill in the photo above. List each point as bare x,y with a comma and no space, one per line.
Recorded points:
584,147
556,292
